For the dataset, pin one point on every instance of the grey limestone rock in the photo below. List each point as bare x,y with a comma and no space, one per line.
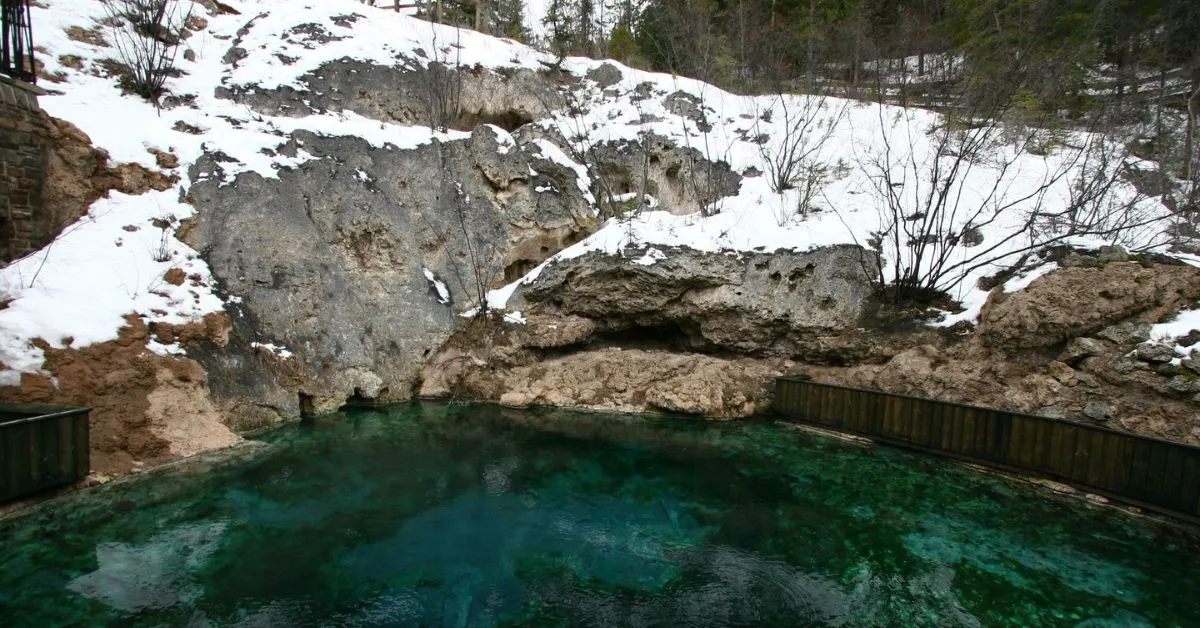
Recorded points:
768,303
1155,353
329,259
1097,409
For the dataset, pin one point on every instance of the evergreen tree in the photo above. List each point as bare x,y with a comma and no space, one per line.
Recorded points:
510,20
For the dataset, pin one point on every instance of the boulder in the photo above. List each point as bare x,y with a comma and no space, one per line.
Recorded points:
1097,409
1081,348
399,93
639,381
1074,302
1125,334
774,304
1155,353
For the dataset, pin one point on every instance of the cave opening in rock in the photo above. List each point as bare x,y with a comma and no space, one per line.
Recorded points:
508,120
518,269
360,400
307,407
661,336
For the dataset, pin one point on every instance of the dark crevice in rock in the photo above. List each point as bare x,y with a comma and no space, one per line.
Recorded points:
359,400
307,407
508,120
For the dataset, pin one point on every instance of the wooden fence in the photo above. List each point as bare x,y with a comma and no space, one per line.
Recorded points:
1149,472
41,447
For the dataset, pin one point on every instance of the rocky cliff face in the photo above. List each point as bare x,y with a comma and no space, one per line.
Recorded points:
698,332
342,258
667,329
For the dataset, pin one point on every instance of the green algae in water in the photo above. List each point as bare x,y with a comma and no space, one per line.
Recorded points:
426,514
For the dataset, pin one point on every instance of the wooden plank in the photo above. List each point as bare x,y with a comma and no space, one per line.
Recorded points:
1173,480
905,423
1121,463
1017,453
65,435
875,422
978,422
1043,439
933,426
1155,474
1189,493
827,406
861,408
922,415
889,415
1030,438
946,438
1081,456
984,436
83,453
1098,462
8,471
1139,475
956,430
843,402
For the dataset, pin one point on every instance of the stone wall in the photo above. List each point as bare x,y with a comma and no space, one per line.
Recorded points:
24,223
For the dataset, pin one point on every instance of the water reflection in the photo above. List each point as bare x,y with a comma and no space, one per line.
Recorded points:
156,574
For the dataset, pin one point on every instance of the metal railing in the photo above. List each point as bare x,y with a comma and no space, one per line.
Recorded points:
16,50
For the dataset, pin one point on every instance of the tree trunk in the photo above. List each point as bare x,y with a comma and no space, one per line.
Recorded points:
1193,107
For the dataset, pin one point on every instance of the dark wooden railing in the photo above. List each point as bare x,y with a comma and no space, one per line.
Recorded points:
1153,473
16,49
41,447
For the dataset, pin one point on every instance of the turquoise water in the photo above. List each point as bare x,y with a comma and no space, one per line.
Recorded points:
436,515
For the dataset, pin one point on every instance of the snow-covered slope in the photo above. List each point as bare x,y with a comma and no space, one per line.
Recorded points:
108,264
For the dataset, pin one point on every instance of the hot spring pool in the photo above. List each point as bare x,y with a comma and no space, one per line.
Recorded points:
426,514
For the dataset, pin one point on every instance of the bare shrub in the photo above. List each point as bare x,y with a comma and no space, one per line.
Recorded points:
441,82
146,35
938,189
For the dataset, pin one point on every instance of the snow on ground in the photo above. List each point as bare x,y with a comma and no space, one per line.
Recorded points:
848,206
80,286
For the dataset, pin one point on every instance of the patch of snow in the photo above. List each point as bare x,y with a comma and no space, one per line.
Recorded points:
514,317
651,257
1180,326
550,151
442,291
110,263
165,350
278,350
504,140
1022,281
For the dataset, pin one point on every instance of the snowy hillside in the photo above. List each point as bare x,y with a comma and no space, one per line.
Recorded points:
113,261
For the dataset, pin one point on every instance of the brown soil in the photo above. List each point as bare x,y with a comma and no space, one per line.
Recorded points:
146,408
